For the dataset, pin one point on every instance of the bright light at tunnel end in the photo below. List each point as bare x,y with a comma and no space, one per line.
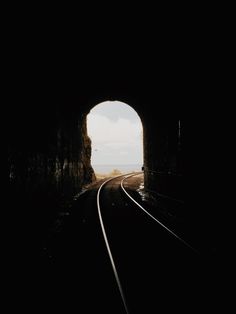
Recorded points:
116,133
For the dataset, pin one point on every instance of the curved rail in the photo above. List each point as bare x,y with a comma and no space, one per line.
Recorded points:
106,239
108,246
160,223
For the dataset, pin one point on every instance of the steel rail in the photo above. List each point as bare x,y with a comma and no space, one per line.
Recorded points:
160,223
108,246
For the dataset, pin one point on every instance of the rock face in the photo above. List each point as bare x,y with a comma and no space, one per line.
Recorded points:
88,172
163,160
48,164
62,163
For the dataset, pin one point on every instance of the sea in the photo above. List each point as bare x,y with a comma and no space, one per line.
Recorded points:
106,169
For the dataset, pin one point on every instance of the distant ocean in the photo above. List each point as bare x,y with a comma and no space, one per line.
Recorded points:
106,169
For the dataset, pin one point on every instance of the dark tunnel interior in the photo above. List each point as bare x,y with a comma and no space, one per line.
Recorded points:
48,150
175,87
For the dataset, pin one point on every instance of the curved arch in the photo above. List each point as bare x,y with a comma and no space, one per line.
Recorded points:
116,131
94,100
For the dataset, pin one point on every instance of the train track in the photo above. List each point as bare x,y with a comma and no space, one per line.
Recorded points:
123,178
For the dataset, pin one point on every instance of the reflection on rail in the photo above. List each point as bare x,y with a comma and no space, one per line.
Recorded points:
125,177
160,223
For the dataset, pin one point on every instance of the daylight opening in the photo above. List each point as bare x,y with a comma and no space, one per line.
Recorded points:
116,132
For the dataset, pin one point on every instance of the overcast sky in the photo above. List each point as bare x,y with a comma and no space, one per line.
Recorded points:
116,133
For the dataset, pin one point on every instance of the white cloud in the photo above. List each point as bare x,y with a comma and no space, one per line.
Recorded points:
117,140
103,130
124,153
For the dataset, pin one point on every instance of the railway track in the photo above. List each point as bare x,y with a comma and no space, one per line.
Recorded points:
112,206
122,259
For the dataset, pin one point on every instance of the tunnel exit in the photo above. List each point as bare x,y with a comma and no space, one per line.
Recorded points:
116,133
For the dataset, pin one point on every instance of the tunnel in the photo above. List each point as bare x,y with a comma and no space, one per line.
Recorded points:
173,80
49,165
49,150
52,149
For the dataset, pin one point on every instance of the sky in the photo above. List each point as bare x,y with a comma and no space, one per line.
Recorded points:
115,130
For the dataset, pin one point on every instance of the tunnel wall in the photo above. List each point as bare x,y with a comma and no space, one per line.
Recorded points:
48,163
163,156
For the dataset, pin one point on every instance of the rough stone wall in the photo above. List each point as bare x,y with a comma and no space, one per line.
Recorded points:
48,164
88,172
63,163
163,157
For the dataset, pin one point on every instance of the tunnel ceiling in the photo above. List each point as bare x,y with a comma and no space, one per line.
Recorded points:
71,91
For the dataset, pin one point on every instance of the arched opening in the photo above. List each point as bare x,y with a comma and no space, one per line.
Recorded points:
116,134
